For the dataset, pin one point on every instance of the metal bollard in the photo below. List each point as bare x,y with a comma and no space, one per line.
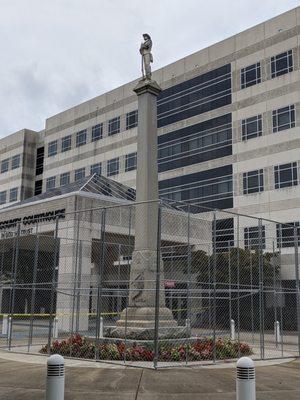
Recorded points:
5,324
55,328
232,329
101,327
9,328
245,379
277,332
55,385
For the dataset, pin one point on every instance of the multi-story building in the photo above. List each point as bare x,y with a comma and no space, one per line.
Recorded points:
228,131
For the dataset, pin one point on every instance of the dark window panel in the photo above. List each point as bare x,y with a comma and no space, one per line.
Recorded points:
252,237
250,75
286,175
130,162
113,126
195,143
252,127
286,234
66,143
281,64
283,118
97,132
39,165
195,96
113,167
132,119
81,138
38,187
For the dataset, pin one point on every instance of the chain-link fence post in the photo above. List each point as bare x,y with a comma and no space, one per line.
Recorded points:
238,285
157,289
53,282
214,284
75,274
261,290
279,245
14,274
229,282
251,296
100,279
33,286
189,278
128,287
297,284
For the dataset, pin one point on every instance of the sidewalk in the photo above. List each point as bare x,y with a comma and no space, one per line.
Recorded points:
26,381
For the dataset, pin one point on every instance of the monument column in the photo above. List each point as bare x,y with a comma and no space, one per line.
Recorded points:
138,319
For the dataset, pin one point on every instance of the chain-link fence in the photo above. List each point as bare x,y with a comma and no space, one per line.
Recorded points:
207,285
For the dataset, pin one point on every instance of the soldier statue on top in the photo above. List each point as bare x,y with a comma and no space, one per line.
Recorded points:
147,57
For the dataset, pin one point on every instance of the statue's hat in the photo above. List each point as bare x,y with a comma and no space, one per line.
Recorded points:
145,35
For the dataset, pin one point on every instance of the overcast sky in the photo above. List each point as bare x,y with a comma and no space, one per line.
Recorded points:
58,53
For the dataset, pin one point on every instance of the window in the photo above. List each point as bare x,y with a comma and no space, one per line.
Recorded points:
196,143
250,75
97,132
15,161
286,175
38,187
113,167
285,234
282,63
3,197
130,162
253,181
195,96
4,165
50,182
79,174
252,237
52,148
132,119
64,178
113,126
13,194
81,138
96,169
211,188
39,165
251,127
66,143
283,118
224,234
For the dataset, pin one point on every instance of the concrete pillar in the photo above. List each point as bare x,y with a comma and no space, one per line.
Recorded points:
74,277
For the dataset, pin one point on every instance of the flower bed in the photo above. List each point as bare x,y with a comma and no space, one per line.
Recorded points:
200,350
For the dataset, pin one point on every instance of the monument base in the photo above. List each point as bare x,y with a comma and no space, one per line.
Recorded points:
138,323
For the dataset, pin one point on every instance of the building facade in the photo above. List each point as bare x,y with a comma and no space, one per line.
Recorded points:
228,132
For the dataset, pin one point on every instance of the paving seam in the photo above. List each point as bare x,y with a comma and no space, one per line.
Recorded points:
139,385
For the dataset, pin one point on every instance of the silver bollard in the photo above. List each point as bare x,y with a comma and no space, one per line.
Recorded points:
9,328
245,379
55,385
5,324
55,328
232,329
101,327
277,332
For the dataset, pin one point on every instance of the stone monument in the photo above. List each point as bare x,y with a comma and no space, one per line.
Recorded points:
138,319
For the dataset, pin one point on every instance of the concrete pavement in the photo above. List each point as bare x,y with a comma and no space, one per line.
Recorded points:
27,381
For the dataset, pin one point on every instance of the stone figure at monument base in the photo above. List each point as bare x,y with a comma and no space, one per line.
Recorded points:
146,312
